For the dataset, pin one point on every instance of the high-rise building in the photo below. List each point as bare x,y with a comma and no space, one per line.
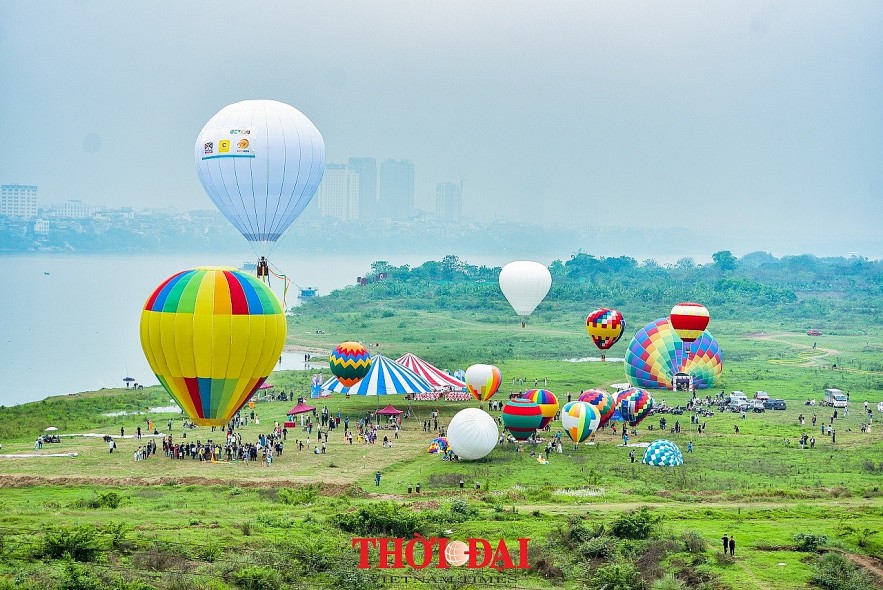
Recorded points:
18,200
339,193
396,189
448,202
366,168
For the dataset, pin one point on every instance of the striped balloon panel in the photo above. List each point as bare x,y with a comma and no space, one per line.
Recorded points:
547,402
689,320
580,420
212,336
521,418
349,362
601,401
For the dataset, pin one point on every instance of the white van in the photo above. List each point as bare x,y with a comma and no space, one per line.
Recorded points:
835,398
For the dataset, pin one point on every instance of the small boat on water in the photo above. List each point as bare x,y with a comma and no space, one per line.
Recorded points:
308,293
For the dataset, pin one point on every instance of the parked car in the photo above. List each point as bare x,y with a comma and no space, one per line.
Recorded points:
778,404
813,332
758,406
737,397
768,404
761,395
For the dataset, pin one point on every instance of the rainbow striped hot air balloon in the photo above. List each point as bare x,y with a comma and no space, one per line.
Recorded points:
522,417
547,402
634,405
605,327
656,354
212,335
601,401
483,381
580,420
349,362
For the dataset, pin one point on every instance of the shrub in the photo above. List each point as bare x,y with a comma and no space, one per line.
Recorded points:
617,576
295,496
577,532
80,543
245,527
694,542
257,578
637,524
832,571
603,547
110,500
380,519
809,542
76,577
668,582
461,511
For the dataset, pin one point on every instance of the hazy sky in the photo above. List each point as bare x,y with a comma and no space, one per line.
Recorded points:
745,118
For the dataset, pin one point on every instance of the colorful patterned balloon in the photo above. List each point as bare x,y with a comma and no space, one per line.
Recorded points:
689,320
601,401
605,327
580,420
522,417
634,405
547,401
212,335
656,354
349,362
483,381
663,453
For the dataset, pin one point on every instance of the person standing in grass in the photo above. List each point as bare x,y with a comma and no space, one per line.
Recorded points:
726,541
732,546
377,479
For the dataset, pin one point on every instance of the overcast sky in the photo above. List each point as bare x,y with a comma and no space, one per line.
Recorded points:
745,118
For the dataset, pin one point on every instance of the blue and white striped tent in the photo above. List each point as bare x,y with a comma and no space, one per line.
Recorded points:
386,377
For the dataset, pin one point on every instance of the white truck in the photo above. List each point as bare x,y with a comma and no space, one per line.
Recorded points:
835,398
738,401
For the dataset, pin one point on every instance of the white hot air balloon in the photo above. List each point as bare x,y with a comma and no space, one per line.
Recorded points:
525,284
472,434
260,161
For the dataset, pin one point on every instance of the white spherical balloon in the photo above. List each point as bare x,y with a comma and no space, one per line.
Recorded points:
472,434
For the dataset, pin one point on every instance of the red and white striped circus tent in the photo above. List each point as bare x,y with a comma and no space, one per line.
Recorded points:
436,377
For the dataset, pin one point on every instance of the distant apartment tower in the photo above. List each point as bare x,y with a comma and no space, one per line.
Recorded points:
448,202
396,189
18,200
366,168
339,193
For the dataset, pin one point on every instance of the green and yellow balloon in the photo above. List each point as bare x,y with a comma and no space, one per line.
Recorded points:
212,336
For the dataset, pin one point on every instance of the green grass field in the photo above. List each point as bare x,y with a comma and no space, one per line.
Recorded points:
186,523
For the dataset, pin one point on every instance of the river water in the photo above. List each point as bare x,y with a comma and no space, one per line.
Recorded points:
69,323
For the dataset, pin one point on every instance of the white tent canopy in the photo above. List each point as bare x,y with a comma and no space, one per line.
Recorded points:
384,378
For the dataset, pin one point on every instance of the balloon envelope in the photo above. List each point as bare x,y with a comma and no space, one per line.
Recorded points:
580,420
349,362
689,320
483,381
525,284
522,417
260,162
656,354
605,327
634,405
663,453
212,336
601,401
472,434
547,402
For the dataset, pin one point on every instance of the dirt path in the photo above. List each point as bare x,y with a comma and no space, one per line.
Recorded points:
810,362
869,564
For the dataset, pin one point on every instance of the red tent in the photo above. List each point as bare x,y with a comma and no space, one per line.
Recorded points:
389,411
300,409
